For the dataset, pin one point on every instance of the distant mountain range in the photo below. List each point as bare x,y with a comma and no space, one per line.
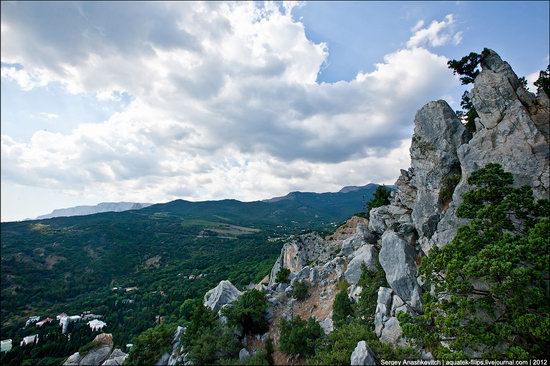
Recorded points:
89,210
348,200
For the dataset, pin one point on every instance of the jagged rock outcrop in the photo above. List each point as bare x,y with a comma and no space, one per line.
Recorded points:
116,358
397,258
361,237
220,295
99,354
296,254
365,255
362,355
177,356
243,354
512,130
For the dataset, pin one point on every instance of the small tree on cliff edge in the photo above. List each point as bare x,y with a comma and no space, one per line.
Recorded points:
381,197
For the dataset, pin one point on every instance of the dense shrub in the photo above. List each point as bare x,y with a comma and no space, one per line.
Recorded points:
300,290
381,198
282,275
337,348
300,336
341,308
370,281
543,81
150,345
248,311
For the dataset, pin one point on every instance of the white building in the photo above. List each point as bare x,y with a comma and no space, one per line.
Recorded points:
96,324
32,339
65,321
31,320
6,345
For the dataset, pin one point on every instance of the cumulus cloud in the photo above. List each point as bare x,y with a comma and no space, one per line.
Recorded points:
224,101
437,34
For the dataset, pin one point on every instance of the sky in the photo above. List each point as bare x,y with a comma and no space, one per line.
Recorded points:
156,101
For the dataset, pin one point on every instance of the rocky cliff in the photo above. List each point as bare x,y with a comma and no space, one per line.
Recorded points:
512,130
101,353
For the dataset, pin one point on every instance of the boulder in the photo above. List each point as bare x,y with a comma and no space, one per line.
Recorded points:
116,358
397,258
220,295
73,360
365,255
243,354
362,355
96,356
296,254
383,304
361,237
327,325
354,292
391,333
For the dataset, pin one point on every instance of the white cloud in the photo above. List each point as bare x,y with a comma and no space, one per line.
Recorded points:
49,115
436,34
418,25
224,103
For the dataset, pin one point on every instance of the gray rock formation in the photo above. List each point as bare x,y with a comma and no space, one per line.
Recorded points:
361,237
391,333
73,360
383,306
362,355
365,255
96,355
296,254
220,295
397,258
327,325
437,134
243,354
512,130
116,358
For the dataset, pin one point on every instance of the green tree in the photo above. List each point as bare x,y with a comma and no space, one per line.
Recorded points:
282,275
341,308
543,81
300,290
381,198
300,336
248,311
491,280
150,345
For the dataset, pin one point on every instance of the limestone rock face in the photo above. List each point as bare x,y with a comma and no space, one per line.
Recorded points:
296,254
513,129
73,360
116,358
100,355
397,258
362,355
243,354
364,255
437,134
220,295
382,312
96,355
361,237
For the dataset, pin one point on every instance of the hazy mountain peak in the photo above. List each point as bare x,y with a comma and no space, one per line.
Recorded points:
89,210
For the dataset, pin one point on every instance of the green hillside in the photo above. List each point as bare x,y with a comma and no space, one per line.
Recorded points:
72,264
